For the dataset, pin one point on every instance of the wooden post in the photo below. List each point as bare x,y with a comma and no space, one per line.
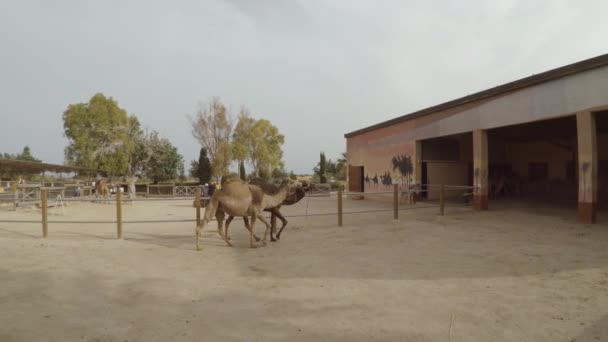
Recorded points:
15,196
44,207
395,201
340,207
173,189
441,199
147,189
119,214
197,203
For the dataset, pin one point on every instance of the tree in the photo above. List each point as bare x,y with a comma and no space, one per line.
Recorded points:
242,173
204,172
212,127
193,171
321,169
26,155
98,135
341,166
259,142
403,163
164,162
292,176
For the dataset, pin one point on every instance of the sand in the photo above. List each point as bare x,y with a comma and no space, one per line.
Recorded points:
509,274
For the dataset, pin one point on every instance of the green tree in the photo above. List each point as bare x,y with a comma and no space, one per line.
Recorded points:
98,135
164,162
26,155
341,166
259,142
242,172
193,171
212,127
292,176
204,172
321,169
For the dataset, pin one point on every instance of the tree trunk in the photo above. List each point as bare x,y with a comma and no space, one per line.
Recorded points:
132,181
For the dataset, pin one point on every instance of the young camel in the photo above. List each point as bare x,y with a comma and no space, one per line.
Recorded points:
237,198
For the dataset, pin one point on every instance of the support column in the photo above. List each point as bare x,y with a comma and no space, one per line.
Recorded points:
417,160
480,169
587,166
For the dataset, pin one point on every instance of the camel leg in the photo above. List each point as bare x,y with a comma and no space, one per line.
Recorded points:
198,231
267,227
284,221
246,220
273,224
230,218
252,233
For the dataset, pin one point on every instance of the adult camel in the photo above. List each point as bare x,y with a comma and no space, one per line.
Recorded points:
238,198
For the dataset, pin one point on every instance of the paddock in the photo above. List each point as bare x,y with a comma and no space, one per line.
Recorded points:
510,274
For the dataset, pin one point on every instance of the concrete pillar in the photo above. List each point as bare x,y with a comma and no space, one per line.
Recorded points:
417,161
480,169
587,166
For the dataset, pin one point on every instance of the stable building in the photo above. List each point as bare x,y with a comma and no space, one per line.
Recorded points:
543,137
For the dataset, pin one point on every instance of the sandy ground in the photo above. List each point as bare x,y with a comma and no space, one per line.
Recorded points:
510,274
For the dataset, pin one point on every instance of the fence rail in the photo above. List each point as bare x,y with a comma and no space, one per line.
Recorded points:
198,200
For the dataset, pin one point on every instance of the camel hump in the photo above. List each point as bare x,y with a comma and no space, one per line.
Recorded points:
267,188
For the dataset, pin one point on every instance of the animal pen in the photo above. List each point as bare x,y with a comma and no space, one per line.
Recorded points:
399,194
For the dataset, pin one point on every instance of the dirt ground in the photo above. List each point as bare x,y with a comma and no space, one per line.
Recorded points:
514,273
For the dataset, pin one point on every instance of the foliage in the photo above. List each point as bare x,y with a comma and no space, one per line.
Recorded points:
341,167
164,161
204,172
212,127
292,176
403,163
321,169
98,134
279,174
259,142
242,172
193,171
25,155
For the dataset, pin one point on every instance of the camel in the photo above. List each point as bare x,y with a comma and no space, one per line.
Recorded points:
292,197
238,198
101,188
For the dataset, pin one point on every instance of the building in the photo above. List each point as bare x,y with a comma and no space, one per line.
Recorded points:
547,135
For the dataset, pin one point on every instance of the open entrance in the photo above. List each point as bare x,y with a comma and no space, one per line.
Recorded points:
534,161
446,160
601,120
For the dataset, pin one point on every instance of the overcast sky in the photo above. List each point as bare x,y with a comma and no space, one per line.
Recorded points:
315,68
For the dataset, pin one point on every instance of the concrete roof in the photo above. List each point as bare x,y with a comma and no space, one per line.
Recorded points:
588,64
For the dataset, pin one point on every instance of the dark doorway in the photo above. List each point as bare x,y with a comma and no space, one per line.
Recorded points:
356,183
425,181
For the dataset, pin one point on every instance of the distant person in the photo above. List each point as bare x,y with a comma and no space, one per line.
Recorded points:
211,189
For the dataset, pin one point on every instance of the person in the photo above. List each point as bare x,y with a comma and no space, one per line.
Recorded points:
211,189
93,190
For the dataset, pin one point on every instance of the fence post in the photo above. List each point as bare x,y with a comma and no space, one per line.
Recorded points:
173,189
197,203
441,199
15,196
44,207
395,201
119,214
340,207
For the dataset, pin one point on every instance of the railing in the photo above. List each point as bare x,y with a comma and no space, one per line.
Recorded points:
198,199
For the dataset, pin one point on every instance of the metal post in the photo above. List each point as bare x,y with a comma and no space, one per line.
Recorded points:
395,201
44,207
197,203
15,196
119,214
340,207
441,199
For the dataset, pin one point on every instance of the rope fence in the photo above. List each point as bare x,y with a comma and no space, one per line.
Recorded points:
118,201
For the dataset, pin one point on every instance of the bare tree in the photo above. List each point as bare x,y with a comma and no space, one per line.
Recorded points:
212,127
